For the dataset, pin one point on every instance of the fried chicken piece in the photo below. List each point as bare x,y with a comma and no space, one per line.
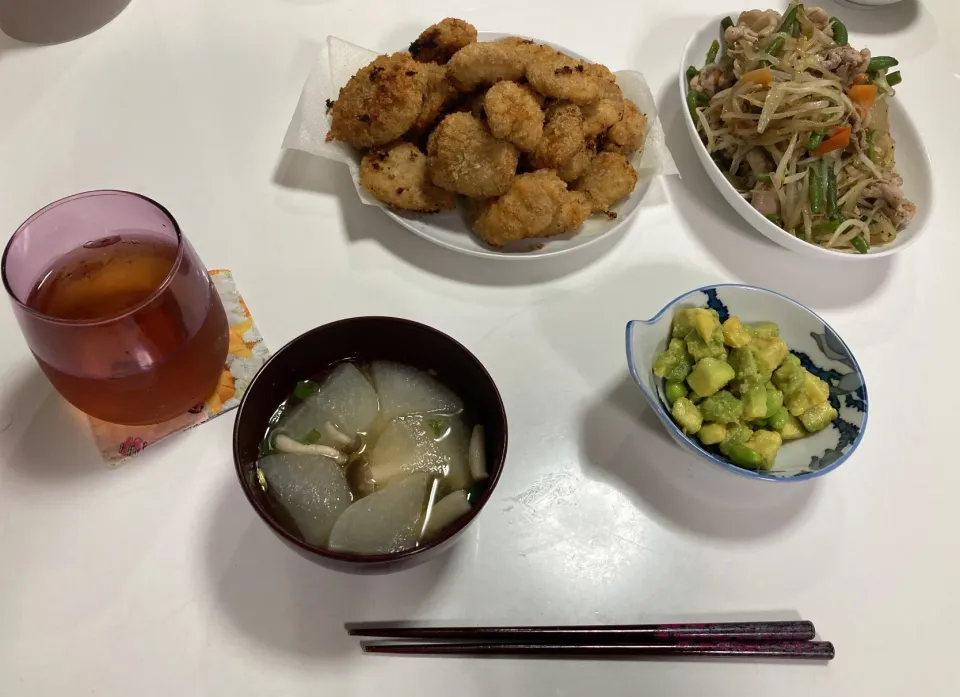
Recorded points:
484,64
599,70
573,212
438,93
514,114
464,157
600,115
573,169
397,175
528,209
439,42
379,103
562,137
557,75
609,178
627,135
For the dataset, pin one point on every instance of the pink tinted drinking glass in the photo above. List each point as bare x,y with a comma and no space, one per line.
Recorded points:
136,333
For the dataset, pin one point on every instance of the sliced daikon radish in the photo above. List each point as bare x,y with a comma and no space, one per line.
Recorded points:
404,390
313,491
286,444
445,511
345,399
454,444
405,446
389,520
478,454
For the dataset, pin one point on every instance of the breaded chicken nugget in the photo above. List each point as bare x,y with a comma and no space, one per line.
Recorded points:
609,178
397,175
379,103
464,157
484,64
600,115
574,210
514,114
599,70
573,169
528,49
558,75
627,135
526,210
438,93
562,137
438,42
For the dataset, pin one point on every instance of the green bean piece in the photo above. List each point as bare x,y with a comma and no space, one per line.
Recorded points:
814,141
831,190
774,218
870,144
712,53
825,229
860,244
674,390
765,178
894,79
816,190
745,457
840,35
790,25
692,72
881,63
726,23
695,99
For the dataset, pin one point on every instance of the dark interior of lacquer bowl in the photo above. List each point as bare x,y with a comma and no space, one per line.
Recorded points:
365,339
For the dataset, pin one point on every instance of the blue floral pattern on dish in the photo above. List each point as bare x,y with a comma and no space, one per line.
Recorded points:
817,346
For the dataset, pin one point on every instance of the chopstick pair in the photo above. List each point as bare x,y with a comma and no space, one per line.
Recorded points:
785,640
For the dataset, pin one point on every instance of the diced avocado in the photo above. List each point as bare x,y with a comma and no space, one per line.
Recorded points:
792,429
743,363
766,330
674,390
734,333
745,457
766,443
736,435
682,323
721,408
789,377
714,348
778,419
711,434
709,375
674,363
792,359
774,398
818,417
755,403
814,391
705,323
687,415
769,352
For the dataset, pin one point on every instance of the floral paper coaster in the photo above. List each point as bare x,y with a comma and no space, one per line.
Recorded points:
246,355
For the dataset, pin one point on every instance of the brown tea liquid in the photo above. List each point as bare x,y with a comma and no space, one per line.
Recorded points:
151,364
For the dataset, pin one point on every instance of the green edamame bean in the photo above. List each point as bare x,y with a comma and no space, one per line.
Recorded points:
881,63
894,79
674,390
742,456
779,419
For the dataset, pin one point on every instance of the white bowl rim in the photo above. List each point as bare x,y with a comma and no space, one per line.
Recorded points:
484,253
756,218
677,432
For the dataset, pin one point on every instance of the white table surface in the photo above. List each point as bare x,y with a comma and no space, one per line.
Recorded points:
157,578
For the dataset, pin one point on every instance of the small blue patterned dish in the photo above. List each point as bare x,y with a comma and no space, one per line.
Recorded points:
819,348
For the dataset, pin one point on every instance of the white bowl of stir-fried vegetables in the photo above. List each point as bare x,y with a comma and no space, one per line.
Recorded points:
796,129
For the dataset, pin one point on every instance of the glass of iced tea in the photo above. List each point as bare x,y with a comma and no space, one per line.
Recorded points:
117,307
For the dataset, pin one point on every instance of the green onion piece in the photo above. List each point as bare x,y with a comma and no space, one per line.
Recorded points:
313,437
437,426
894,79
881,63
774,218
814,141
726,23
776,46
870,144
815,188
790,24
261,479
840,35
860,244
692,72
713,51
831,190
305,388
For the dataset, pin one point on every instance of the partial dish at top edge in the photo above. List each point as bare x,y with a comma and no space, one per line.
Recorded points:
826,109
550,146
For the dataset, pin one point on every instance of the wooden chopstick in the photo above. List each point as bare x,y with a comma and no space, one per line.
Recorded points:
603,634
810,650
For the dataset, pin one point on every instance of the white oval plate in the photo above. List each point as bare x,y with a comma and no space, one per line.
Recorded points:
451,229
913,163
